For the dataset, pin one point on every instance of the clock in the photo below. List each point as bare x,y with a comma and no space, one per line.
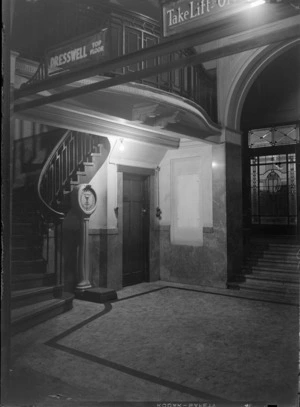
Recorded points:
84,199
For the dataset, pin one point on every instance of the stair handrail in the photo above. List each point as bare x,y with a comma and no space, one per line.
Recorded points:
70,154
43,172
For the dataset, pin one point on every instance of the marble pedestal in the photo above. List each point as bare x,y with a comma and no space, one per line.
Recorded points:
96,294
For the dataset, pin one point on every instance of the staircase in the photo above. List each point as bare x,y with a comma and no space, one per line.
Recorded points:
37,239
272,269
36,296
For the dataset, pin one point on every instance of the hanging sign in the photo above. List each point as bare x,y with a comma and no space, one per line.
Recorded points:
77,52
183,15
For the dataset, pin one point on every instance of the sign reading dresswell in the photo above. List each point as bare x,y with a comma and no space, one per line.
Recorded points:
182,15
72,54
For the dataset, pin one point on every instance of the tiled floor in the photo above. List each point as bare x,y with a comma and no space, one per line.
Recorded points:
160,343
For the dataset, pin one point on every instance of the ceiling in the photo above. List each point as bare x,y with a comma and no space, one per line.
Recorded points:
149,8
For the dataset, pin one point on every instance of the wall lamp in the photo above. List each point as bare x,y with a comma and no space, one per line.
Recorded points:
257,3
121,146
293,3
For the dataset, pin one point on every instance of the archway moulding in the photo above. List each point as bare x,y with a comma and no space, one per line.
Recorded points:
249,70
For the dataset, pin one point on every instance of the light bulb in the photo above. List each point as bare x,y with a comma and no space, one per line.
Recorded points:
121,146
257,3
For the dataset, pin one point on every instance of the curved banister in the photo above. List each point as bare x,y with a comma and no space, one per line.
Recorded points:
61,169
43,172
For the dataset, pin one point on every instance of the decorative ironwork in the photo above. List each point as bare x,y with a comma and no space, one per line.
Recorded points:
273,182
273,189
274,136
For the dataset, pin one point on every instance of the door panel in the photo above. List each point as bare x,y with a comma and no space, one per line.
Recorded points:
135,228
274,190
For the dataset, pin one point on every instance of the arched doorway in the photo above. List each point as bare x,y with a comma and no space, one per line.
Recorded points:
271,154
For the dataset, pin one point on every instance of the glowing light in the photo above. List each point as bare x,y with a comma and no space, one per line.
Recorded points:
214,164
257,3
121,146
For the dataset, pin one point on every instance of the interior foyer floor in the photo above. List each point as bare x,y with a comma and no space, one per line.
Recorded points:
160,343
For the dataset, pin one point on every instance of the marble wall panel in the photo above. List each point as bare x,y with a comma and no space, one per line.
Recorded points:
204,266
234,205
114,261
98,261
154,255
105,258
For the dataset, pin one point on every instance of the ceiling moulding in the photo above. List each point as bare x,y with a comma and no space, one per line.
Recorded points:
132,89
93,123
147,110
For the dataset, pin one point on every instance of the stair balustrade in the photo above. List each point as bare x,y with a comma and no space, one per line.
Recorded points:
54,187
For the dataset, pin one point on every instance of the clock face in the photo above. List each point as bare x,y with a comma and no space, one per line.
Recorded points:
87,200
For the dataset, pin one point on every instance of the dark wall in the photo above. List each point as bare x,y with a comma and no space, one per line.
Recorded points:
41,24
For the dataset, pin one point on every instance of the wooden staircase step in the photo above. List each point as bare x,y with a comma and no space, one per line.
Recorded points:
32,280
274,265
271,269
284,246
268,266
285,278
261,283
30,315
290,274
292,257
74,182
21,298
25,253
19,217
263,295
23,228
275,252
276,239
28,266
273,290
24,242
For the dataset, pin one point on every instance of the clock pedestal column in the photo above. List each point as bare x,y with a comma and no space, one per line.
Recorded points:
84,263
84,200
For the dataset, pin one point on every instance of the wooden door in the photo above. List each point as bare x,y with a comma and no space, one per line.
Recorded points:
135,228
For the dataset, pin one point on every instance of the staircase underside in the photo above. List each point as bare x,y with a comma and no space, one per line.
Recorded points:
271,271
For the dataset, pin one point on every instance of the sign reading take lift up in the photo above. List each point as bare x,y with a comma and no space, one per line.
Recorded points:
183,15
75,53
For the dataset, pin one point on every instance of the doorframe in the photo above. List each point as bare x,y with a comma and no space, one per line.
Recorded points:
152,260
293,148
